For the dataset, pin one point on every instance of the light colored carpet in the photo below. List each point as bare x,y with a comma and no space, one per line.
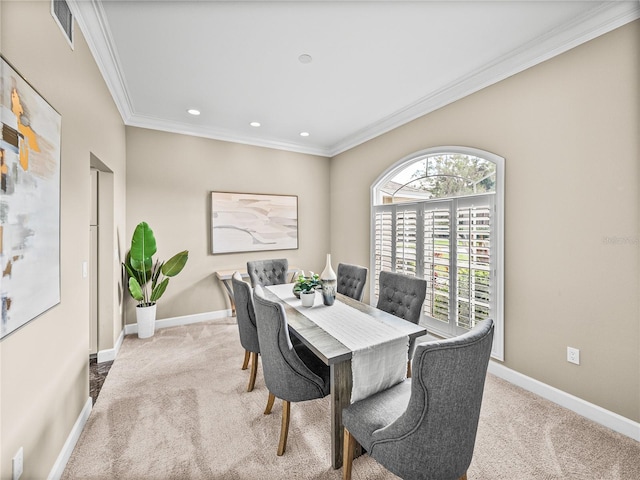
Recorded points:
175,407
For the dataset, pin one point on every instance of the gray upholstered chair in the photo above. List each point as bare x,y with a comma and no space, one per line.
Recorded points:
351,280
291,372
246,317
268,272
402,296
425,427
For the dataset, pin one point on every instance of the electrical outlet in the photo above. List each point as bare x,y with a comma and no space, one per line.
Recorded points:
573,355
18,464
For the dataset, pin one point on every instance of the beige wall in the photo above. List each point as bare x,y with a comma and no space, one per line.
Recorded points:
44,365
169,179
569,131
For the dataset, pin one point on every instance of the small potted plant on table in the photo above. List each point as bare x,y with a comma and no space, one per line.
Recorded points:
305,287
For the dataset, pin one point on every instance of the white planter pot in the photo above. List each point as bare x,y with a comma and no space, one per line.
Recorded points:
146,317
308,299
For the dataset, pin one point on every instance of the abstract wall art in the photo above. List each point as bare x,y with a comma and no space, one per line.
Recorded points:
249,222
29,202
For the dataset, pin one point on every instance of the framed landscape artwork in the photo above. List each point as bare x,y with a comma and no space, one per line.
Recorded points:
250,222
29,202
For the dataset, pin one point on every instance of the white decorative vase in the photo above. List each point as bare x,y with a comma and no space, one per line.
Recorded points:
146,317
308,298
329,281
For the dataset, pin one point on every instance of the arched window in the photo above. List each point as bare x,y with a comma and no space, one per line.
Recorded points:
438,214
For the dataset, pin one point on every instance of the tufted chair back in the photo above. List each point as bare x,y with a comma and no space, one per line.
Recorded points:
268,272
351,280
245,314
401,295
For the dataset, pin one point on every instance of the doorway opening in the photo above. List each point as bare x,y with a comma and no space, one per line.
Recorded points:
102,268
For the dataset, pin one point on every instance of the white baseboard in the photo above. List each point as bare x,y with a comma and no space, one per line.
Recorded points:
588,410
112,353
184,320
69,445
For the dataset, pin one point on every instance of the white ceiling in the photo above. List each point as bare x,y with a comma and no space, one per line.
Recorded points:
376,64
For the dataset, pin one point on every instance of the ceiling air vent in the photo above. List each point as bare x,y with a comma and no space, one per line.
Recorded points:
62,13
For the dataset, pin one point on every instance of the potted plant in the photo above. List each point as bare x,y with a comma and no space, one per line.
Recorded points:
305,287
148,279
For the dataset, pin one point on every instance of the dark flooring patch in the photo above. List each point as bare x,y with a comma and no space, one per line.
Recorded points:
97,375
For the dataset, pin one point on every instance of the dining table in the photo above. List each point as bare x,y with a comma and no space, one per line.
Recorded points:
334,352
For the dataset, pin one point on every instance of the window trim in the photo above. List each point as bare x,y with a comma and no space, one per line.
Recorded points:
497,232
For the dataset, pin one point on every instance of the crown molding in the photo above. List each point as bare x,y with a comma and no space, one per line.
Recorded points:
92,21
156,123
581,29
598,21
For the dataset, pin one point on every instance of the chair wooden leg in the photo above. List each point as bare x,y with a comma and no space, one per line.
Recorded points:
245,363
463,477
409,369
284,430
347,456
270,400
254,371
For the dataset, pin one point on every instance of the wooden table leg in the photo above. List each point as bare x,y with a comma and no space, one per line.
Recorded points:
341,382
229,289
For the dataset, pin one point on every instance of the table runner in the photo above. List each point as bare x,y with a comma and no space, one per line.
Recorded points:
380,352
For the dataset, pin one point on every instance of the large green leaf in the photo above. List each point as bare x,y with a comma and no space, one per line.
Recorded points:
143,247
159,290
142,275
127,266
175,264
141,265
135,289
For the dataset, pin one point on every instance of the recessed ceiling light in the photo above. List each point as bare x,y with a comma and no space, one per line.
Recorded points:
304,134
255,124
193,111
305,58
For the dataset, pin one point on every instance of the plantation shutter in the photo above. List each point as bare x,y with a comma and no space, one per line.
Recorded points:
383,241
473,262
437,237
406,240
448,243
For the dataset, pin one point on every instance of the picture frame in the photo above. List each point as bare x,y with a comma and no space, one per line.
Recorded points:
251,222
30,140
